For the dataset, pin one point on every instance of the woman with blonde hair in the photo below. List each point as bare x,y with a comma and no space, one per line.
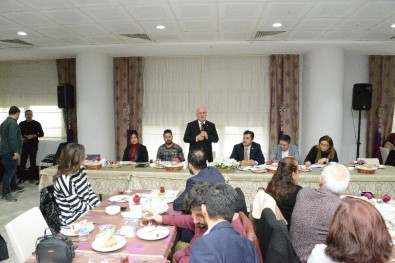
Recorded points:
283,186
357,234
323,152
73,193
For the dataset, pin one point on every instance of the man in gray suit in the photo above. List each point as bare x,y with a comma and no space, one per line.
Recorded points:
284,149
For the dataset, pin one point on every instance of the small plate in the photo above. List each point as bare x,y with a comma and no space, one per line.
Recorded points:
126,162
153,232
258,170
71,230
97,244
244,168
120,198
381,166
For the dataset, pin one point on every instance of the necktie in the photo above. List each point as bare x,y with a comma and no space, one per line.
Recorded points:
246,154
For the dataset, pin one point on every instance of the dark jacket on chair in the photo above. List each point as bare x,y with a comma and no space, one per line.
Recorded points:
273,239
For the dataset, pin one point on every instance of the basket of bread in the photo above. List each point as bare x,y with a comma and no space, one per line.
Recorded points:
174,166
92,165
366,168
271,166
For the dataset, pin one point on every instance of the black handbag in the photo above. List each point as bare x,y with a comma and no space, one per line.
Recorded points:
54,249
3,249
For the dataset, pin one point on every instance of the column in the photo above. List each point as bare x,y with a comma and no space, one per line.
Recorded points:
95,104
322,98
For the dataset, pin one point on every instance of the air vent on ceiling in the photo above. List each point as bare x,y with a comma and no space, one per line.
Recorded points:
138,36
16,41
267,35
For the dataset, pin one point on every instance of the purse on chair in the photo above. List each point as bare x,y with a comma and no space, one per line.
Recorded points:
54,249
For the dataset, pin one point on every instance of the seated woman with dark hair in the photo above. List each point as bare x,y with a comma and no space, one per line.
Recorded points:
357,234
322,153
390,142
135,151
283,186
73,193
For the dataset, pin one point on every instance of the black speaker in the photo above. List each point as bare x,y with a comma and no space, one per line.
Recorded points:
65,96
362,96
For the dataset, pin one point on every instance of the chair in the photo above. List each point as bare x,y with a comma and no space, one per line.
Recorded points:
274,240
384,153
374,161
242,206
250,231
23,232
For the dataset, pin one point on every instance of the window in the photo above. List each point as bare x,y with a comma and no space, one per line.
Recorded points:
50,118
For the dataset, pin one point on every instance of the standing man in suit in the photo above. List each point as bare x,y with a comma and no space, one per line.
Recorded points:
197,166
201,133
248,152
285,149
221,243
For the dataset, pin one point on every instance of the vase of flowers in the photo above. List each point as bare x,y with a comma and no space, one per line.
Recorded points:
226,165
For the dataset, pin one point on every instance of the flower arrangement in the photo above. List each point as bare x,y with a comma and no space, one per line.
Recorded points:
226,164
175,160
361,162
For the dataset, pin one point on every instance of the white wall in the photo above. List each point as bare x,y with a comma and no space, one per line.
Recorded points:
356,70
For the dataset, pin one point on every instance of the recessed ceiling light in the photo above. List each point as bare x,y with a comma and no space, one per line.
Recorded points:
21,33
393,25
277,25
160,27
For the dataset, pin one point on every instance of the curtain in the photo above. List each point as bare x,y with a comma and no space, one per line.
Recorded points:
234,90
67,75
284,97
128,89
381,114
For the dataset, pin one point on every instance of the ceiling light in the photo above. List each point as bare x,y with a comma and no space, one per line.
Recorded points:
160,27
393,25
277,25
21,33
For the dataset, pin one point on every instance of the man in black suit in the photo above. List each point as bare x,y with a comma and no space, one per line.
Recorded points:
201,133
248,152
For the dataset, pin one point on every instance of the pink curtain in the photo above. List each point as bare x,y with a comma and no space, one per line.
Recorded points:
128,91
381,114
66,75
284,97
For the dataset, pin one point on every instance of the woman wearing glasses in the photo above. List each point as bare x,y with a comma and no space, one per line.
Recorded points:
322,153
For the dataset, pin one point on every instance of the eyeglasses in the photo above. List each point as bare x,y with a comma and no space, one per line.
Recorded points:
201,112
324,145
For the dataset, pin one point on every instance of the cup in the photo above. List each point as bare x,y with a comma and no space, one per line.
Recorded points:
120,191
83,234
162,190
151,161
144,220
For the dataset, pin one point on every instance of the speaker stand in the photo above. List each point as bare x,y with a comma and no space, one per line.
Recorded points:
359,134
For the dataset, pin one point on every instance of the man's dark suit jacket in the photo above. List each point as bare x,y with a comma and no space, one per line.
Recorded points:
193,129
223,244
255,153
141,154
209,174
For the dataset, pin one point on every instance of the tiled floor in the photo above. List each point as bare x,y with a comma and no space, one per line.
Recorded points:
9,210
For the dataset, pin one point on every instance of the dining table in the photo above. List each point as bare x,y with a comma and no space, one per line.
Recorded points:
137,249
107,180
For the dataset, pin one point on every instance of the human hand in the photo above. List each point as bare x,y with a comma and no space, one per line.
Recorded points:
29,137
154,216
322,160
16,156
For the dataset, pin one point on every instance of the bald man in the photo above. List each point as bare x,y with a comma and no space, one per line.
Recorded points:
200,133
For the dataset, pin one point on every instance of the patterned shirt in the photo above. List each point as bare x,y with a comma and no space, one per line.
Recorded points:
74,196
168,153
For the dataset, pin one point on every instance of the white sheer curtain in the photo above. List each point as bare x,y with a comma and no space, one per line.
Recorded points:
235,91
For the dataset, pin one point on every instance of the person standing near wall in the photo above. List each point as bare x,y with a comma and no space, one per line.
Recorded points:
10,148
31,130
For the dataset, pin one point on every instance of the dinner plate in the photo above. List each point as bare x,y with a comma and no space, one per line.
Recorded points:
72,230
120,198
153,232
244,168
98,244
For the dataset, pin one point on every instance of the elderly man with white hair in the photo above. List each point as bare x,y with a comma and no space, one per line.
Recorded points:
314,210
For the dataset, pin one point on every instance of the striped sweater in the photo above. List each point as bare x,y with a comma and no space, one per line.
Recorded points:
74,196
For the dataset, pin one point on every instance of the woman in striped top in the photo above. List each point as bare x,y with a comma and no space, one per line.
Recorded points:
73,193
